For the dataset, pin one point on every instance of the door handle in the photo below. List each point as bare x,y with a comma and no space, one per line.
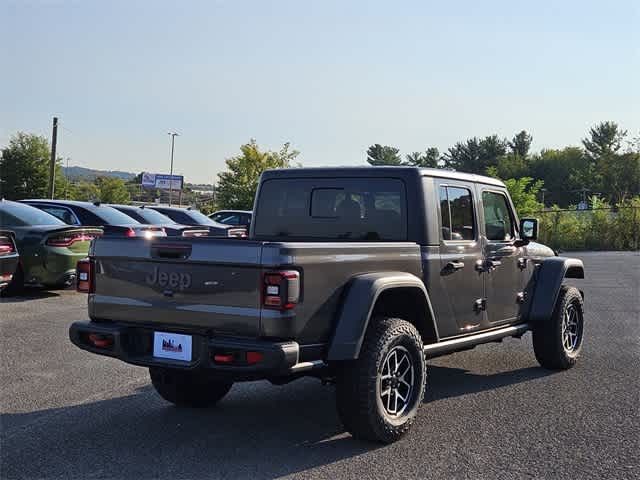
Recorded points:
493,264
455,265
504,251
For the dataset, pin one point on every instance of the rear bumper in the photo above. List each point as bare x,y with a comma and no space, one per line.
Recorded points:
8,265
134,345
51,268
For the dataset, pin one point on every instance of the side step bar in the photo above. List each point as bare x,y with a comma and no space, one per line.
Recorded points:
466,343
304,366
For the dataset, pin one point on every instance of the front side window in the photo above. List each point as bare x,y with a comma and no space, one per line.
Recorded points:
456,210
498,220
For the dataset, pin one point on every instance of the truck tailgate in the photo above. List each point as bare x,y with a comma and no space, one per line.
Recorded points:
200,282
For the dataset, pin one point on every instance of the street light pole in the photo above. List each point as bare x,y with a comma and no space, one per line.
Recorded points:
173,136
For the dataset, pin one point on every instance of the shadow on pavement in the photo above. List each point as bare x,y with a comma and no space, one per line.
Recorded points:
258,431
447,382
32,293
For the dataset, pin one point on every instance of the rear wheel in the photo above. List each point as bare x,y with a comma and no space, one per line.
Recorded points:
188,389
557,342
378,395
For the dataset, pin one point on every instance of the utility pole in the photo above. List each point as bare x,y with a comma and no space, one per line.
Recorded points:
173,136
52,165
66,181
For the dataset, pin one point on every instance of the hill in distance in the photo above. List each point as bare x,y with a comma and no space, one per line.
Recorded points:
89,174
76,174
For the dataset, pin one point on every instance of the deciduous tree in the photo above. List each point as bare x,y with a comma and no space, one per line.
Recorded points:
237,185
24,168
112,190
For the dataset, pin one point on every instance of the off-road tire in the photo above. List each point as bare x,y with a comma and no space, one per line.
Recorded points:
358,382
188,389
548,341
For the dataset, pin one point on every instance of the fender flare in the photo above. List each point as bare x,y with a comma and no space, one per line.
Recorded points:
357,307
548,281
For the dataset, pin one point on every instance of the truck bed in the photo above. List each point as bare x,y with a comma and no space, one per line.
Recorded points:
215,285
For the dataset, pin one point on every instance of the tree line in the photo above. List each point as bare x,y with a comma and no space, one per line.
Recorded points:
605,165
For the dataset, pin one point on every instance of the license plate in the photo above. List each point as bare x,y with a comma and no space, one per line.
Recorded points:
172,345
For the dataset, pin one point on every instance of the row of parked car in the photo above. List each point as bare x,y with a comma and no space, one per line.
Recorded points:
42,240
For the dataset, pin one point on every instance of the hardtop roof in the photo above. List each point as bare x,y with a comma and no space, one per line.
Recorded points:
381,171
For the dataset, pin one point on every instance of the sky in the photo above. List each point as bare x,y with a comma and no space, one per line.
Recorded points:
331,77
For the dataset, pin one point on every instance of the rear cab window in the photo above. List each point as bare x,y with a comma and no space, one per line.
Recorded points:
330,209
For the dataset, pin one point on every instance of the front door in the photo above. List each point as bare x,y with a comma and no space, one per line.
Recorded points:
504,269
460,253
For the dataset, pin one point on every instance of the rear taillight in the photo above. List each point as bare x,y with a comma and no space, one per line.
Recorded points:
237,232
195,233
98,340
68,239
85,276
154,232
6,245
130,232
281,289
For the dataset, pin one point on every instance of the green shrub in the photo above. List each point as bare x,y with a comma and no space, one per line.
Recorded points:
601,228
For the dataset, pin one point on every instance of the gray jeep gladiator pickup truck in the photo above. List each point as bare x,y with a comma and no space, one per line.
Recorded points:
353,275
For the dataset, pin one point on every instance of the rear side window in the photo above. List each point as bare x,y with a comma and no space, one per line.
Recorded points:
131,213
62,213
111,216
456,210
178,216
366,209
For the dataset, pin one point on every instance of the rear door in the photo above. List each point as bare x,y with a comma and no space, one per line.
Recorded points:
504,270
460,253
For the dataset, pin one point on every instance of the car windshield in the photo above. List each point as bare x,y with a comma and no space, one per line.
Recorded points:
19,214
111,216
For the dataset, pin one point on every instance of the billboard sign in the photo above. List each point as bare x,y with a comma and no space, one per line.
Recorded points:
162,181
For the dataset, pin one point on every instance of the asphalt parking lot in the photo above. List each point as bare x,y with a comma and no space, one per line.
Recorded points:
489,413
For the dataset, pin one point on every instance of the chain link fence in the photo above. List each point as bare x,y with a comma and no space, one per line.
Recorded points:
594,229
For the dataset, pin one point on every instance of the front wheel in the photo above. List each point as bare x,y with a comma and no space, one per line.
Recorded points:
378,395
557,341
188,389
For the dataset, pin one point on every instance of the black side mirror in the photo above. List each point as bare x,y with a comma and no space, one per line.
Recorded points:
529,229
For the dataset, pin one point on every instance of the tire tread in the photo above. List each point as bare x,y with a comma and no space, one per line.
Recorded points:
356,394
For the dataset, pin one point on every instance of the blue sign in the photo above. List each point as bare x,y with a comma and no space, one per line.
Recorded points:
162,181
